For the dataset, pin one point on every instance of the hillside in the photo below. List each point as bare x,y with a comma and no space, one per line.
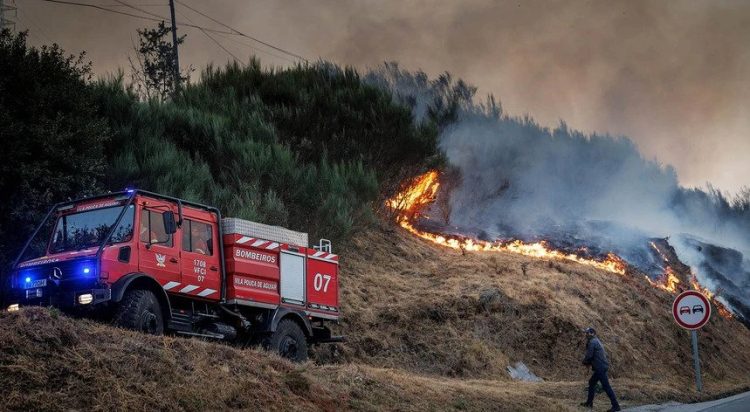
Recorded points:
434,310
429,329
51,362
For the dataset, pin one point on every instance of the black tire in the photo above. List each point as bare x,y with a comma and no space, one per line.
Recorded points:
140,310
289,341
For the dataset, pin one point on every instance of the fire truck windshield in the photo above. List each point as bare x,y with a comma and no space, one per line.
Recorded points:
82,230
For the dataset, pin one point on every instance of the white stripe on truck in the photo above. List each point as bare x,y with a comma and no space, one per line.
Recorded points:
171,285
188,288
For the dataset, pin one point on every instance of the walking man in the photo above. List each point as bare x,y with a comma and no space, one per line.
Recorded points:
596,357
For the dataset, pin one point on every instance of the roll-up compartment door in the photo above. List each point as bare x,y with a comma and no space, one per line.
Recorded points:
292,278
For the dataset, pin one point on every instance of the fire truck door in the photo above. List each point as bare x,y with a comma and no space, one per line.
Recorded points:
292,278
157,254
201,274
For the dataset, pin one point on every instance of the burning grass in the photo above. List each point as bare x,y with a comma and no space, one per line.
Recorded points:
422,191
435,311
671,282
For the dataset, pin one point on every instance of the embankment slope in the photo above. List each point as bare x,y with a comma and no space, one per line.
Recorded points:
429,329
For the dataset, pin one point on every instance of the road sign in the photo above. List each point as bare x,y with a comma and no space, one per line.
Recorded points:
691,310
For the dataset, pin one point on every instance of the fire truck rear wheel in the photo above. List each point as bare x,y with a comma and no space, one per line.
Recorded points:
139,310
289,341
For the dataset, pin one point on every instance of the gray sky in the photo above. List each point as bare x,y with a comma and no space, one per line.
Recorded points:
672,75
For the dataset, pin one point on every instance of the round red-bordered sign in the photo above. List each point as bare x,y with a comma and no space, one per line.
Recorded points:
691,310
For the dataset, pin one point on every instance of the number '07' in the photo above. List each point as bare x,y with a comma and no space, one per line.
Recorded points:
321,281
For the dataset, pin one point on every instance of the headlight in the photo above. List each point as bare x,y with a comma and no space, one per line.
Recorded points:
85,299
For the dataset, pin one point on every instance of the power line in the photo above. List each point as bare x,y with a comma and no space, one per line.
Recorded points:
214,40
232,39
239,33
188,19
122,3
94,6
137,4
158,18
222,47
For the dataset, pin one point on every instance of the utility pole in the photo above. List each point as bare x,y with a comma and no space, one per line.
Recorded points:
5,21
174,44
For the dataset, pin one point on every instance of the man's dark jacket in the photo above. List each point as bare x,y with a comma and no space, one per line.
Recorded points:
596,356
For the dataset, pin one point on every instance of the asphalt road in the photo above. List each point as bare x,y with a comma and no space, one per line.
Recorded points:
736,403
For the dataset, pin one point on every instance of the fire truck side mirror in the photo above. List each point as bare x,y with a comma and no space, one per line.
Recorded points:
170,225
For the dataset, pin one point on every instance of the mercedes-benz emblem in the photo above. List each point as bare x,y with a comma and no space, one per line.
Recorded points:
56,273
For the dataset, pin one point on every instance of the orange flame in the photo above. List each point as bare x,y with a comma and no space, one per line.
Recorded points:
672,284
418,194
723,310
670,281
664,257
423,190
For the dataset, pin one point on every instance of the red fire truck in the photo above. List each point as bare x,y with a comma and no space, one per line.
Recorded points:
154,263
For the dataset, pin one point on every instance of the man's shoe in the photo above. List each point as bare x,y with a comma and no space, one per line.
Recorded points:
614,409
587,405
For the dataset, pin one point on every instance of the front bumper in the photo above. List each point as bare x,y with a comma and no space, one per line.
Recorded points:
57,297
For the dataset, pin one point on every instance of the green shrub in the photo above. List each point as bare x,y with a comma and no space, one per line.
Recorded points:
309,148
52,140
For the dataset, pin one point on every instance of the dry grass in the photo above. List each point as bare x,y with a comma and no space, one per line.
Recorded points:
411,305
429,329
52,362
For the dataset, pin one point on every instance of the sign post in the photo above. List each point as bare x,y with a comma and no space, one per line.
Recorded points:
691,310
696,361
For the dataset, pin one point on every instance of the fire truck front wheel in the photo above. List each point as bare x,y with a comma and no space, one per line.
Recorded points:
289,341
139,310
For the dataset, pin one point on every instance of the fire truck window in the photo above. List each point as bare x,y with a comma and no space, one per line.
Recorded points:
124,231
196,237
89,228
152,229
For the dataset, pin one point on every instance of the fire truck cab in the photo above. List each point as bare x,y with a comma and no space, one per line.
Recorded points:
154,263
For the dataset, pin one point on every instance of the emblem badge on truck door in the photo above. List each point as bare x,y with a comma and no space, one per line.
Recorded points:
160,260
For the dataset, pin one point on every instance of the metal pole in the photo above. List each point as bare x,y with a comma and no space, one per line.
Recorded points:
696,360
174,45
5,21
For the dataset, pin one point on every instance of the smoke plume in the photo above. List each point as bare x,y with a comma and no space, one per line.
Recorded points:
672,75
521,180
